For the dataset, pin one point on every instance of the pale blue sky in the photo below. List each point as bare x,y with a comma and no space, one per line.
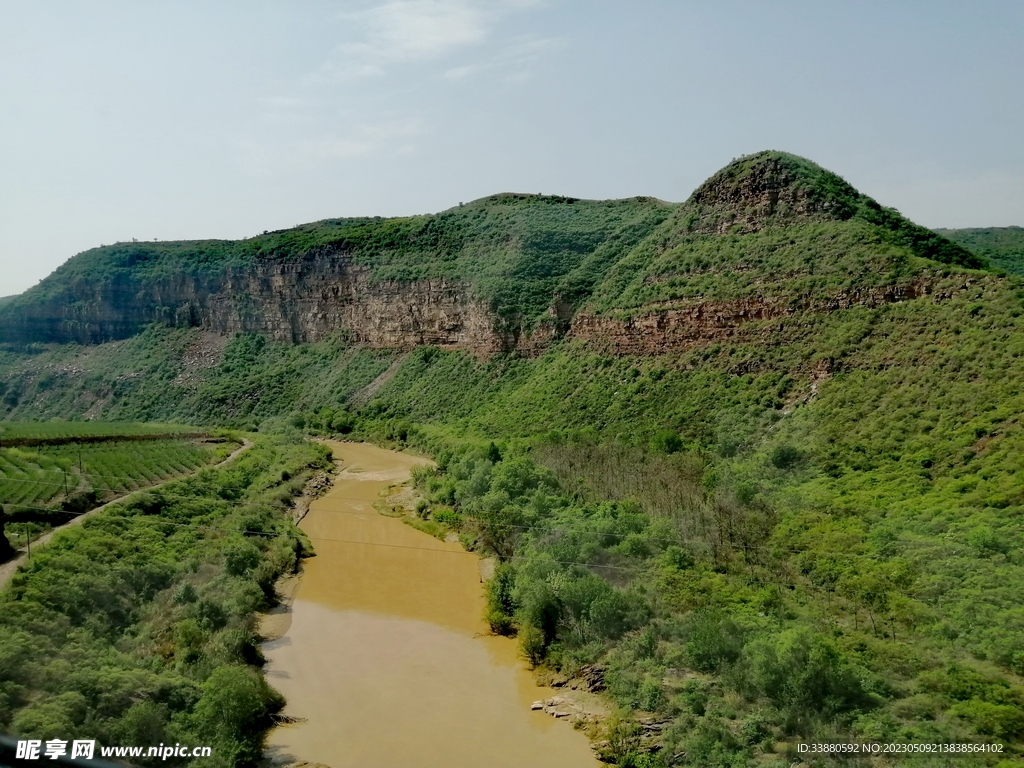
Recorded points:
203,119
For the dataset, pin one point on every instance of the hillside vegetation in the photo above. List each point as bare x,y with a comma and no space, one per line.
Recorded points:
526,257
515,251
54,471
1003,247
806,525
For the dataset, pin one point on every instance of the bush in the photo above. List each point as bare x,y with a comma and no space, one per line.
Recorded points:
713,641
501,604
532,644
236,705
666,441
241,557
803,671
786,457
449,517
677,558
999,720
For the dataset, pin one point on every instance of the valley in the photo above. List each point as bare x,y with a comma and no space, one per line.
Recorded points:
748,468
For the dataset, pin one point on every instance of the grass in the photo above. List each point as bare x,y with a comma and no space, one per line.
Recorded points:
70,430
30,478
119,467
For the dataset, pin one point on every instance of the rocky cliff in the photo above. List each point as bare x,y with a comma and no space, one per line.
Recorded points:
299,301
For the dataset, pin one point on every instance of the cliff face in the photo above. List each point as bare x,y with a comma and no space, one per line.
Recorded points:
309,300
701,323
297,302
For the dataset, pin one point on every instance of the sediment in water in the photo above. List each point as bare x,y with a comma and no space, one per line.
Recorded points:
384,657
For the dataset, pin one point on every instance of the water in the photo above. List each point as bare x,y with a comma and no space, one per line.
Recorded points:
386,660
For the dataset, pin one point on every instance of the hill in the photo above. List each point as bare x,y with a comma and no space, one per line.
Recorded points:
756,455
503,273
1003,247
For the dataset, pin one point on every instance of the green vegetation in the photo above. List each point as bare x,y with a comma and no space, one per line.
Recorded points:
842,484
809,529
806,192
728,606
524,255
1003,247
514,251
34,476
252,380
64,431
137,627
813,261
46,485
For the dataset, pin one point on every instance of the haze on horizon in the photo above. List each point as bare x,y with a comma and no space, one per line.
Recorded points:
202,120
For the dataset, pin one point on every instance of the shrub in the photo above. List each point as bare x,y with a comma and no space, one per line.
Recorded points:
666,441
241,557
803,671
786,457
532,644
999,720
713,640
449,517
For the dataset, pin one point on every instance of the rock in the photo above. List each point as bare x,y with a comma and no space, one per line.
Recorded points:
303,300
537,705
698,323
592,677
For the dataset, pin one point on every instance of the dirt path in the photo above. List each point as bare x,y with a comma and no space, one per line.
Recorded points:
362,397
8,569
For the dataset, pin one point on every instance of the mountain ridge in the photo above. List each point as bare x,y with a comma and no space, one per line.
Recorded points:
506,273
1002,246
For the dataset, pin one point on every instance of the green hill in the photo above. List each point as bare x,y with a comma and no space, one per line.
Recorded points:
764,467
1003,247
770,223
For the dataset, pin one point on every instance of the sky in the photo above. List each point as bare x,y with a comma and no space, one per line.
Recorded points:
189,120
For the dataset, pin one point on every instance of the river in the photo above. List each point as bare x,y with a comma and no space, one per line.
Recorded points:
384,657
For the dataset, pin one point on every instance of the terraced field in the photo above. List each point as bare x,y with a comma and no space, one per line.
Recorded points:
27,477
72,430
41,477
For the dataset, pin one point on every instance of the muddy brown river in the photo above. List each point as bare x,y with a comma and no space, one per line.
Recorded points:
385,659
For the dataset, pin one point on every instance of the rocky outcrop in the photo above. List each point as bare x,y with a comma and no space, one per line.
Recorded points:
324,294
298,301
768,188
281,287
312,299
700,323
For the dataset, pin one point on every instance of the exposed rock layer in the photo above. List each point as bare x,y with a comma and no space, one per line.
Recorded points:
325,294
300,301
709,322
